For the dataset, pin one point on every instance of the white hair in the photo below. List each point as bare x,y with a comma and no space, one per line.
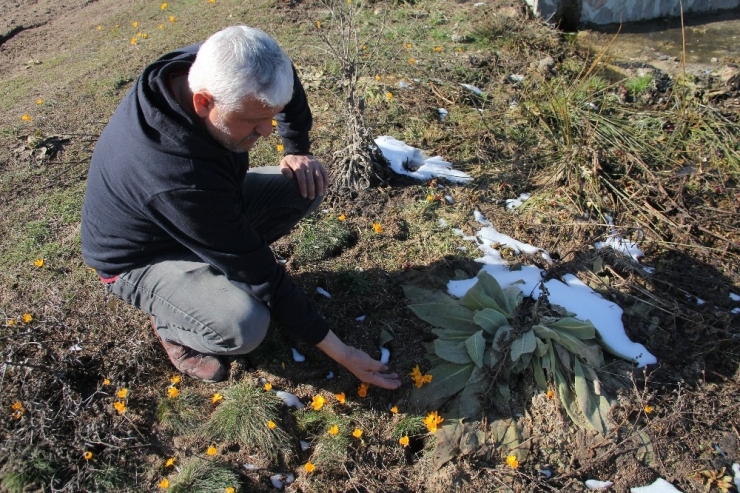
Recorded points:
242,61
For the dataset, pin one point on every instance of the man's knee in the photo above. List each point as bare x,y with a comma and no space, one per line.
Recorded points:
250,329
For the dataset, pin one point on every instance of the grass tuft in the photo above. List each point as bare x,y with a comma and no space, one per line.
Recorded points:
242,417
319,238
203,476
181,415
409,426
329,451
27,475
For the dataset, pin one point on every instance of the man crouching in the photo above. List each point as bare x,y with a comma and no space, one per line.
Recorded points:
176,224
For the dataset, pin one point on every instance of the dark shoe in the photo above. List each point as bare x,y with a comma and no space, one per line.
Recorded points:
191,362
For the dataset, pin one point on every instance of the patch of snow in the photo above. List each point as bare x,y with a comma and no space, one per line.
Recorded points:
330,375
515,203
361,318
734,297
251,467
442,113
277,481
736,470
659,486
515,78
441,223
595,484
616,242
399,153
449,199
289,478
481,218
472,89
290,399
545,472
305,445
75,348
323,292
298,356
573,295
735,310
385,355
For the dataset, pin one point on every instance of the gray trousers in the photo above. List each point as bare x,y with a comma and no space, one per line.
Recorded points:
192,303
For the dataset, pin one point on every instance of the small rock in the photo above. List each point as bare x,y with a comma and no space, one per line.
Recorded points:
546,64
460,38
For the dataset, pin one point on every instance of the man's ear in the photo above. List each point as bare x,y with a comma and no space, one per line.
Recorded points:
202,103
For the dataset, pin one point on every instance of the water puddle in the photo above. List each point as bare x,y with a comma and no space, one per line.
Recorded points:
712,41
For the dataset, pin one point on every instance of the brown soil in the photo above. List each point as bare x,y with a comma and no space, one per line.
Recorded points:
693,394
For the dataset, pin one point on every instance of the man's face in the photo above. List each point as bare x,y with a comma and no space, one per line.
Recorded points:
239,130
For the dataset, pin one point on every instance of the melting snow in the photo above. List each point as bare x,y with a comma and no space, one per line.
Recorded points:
298,356
573,295
515,203
410,161
659,486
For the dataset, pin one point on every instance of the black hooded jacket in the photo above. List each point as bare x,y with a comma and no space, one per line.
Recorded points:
159,183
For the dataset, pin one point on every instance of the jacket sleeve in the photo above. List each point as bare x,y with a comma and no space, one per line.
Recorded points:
211,224
295,121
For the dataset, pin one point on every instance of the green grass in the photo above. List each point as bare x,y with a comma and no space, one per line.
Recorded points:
319,238
203,476
242,418
638,85
30,473
409,426
181,415
328,451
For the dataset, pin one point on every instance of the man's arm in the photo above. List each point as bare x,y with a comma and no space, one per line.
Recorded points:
358,362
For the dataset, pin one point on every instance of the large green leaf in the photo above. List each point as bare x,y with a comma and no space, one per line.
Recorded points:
513,296
476,346
501,336
470,400
539,373
588,401
524,344
444,315
522,363
417,294
568,401
491,358
544,333
454,352
454,335
590,352
541,348
574,327
565,357
477,299
447,380
490,319
493,289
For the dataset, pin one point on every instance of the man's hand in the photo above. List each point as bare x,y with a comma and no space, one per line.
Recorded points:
359,363
311,175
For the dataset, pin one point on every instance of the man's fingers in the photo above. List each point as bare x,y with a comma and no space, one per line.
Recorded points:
386,381
310,183
320,182
286,171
